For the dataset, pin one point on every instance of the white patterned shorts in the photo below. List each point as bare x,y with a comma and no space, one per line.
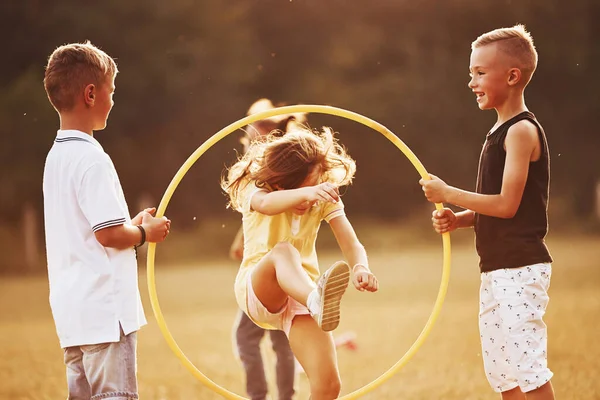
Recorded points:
513,336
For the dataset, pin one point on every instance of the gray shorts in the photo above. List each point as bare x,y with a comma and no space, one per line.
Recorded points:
103,371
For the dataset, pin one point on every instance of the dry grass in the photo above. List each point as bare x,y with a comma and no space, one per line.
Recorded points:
199,307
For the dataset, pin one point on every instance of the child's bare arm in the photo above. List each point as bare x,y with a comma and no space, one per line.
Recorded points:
120,236
236,251
355,254
466,219
128,235
278,201
522,147
346,237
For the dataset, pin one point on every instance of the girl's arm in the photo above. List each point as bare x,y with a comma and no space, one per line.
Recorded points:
278,201
355,254
236,251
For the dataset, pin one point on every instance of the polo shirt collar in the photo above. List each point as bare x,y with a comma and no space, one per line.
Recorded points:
75,135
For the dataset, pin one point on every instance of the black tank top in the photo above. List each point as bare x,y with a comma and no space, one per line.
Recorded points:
518,241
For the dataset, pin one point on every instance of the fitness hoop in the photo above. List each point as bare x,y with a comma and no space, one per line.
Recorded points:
234,127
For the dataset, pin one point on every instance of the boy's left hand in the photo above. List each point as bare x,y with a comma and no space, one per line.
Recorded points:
435,189
363,279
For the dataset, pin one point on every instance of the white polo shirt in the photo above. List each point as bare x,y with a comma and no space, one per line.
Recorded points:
93,288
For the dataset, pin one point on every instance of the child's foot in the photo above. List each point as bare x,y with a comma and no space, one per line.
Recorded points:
330,289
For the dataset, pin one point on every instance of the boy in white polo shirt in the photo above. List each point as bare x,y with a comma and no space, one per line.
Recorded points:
90,237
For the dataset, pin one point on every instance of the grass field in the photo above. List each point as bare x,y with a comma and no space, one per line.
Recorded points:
199,307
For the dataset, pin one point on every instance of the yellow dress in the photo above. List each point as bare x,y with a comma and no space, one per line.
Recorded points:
263,232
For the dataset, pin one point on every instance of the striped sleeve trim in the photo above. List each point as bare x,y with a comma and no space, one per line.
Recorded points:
106,224
70,139
338,212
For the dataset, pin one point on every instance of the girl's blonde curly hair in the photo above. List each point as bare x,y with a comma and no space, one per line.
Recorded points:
285,162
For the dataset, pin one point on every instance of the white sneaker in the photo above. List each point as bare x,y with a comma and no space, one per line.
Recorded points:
330,288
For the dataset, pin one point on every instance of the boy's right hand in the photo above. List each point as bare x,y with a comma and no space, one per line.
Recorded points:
156,229
444,220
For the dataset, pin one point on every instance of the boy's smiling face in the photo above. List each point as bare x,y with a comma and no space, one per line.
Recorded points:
490,74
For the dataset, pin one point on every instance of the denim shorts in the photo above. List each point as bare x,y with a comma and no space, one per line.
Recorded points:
103,371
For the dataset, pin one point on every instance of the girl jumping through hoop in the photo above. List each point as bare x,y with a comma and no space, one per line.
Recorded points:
284,187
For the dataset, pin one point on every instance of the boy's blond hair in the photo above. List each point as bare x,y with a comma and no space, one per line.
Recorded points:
515,42
71,68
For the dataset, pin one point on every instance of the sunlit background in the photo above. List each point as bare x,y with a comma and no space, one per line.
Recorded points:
189,68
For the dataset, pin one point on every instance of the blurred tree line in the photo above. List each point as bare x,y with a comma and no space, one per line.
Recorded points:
190,67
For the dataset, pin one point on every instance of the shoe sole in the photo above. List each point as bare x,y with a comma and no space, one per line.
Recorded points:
337,278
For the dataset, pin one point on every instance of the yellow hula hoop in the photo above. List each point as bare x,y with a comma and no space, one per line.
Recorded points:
232,128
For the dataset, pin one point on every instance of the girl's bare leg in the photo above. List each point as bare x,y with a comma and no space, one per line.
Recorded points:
315,350
279,275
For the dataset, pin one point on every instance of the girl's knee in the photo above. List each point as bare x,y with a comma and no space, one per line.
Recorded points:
285,250
329,387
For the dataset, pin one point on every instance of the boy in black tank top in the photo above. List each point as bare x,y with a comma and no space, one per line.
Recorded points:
509,214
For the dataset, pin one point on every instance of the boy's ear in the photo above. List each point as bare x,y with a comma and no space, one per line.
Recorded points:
514,76
89,95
